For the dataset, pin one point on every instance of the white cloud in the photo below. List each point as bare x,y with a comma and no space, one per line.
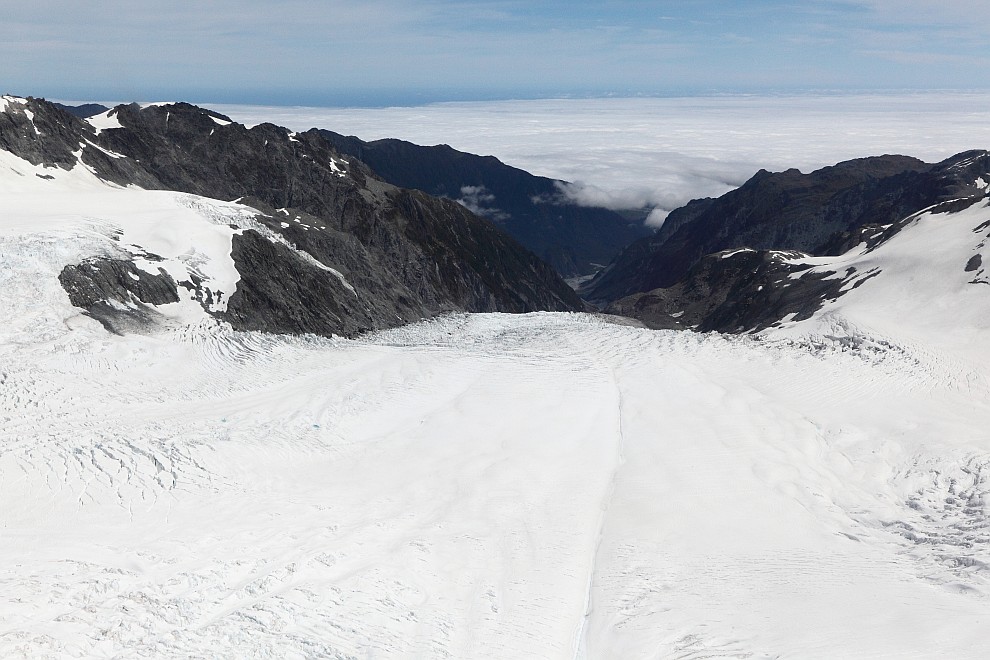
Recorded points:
479,200
661,153
586,194
656,218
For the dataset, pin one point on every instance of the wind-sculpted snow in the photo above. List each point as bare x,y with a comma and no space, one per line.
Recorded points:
537,486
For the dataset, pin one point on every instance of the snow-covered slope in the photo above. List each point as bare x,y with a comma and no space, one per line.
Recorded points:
53,218
325,247
924,288
542,486
919,270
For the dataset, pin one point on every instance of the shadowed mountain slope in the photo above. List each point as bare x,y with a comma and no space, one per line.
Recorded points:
739,288
575,240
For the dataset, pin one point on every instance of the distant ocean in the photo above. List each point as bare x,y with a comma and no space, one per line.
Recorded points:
662,152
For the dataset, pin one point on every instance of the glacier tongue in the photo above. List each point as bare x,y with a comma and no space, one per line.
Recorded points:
488,485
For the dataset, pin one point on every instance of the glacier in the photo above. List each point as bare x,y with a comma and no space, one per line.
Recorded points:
547,485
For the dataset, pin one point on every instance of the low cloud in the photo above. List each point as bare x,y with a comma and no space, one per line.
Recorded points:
680,189
659,204
661,153
586,194
656,218
478,200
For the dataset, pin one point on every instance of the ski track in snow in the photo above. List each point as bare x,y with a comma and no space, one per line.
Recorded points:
487,486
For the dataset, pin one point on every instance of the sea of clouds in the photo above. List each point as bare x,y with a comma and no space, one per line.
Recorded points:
659,153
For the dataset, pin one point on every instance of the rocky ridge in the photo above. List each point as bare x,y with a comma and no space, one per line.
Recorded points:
333,249
737,263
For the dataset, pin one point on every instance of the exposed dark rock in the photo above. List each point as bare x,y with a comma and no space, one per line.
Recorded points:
956,205
842,242
44,134
419,255
41,134
575,240
280,292
84,110
117,293
744,291
974,263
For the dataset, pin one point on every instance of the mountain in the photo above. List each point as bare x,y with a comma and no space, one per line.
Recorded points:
83,111
733,264
316,242
575,240
785,210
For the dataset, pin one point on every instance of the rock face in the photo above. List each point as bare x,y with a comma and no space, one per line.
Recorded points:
703,272
43,134
39,133
117,293
341,252
84,110
735,291
575,240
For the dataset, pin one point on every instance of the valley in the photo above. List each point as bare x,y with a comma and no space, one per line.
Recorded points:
372,425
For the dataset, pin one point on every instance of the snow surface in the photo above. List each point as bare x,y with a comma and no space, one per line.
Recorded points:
336,168
486,486
725,254
546,486
30,118
104,121
82,217
6,101
916,291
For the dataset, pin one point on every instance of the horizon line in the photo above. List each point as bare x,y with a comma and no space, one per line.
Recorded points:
196,99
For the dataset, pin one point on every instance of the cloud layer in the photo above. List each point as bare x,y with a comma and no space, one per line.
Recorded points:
660,153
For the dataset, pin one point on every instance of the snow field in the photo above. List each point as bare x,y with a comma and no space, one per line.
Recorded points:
53,217
916,296
487,486
762,518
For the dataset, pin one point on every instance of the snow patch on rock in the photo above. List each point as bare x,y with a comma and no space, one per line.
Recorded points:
104,121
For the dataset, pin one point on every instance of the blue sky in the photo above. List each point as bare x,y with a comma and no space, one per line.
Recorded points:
379,52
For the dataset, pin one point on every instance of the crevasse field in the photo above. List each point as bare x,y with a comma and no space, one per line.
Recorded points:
488,486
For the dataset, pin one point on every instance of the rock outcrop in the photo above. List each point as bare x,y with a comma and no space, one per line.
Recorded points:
737,263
